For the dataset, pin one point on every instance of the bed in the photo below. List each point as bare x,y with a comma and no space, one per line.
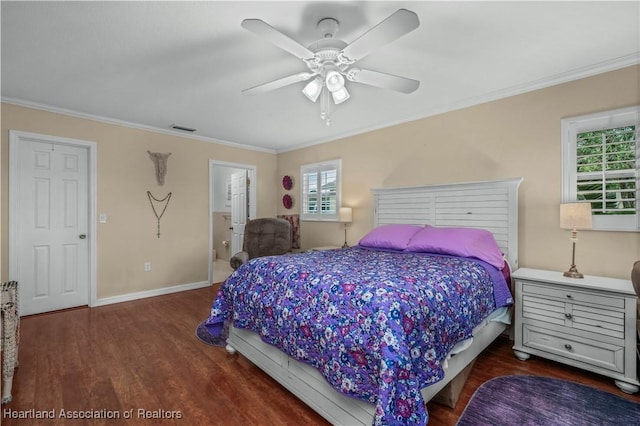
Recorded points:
362,356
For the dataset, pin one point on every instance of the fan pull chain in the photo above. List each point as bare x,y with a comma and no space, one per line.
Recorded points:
325,113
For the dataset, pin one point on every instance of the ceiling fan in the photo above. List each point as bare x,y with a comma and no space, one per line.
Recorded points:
330,60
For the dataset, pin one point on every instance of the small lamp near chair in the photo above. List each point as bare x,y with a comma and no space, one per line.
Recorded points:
345,215
575,216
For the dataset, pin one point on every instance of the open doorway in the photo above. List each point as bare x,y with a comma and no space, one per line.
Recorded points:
221,213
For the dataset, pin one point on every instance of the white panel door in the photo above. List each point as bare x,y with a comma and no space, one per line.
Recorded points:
239,211
53,248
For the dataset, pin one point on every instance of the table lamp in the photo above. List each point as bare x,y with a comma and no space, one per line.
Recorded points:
345,215
575,216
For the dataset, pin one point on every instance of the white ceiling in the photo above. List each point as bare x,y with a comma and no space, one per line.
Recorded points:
152,64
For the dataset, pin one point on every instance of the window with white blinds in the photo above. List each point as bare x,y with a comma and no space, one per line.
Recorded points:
320,190
601,164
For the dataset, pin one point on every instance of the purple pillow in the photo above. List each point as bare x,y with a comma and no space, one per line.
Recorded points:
463,242
394,237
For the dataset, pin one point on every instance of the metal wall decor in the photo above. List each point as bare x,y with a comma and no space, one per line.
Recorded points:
287,201
164,200
287,182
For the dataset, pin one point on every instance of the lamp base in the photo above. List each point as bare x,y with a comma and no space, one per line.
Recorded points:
345,245
573,273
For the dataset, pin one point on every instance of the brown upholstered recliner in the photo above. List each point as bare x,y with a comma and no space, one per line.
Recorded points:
263,237
635,277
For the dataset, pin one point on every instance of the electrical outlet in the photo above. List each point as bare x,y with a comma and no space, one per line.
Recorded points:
147,266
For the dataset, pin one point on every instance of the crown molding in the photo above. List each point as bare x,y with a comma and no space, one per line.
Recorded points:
566,77
123,123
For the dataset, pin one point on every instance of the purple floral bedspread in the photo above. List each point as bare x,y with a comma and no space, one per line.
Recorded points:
376,324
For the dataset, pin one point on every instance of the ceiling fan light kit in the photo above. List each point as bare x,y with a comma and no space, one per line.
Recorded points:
329,59
313,88
335,84
339,96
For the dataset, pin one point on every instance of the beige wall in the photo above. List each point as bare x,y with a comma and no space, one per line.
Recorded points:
517,136
125,173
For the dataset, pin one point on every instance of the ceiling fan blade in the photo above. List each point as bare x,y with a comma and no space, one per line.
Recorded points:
276,84
383,80
261,28
395,26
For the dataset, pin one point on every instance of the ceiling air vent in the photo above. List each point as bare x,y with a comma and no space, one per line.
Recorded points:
182,128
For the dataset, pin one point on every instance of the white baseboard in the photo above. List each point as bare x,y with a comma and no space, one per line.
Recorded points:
149,293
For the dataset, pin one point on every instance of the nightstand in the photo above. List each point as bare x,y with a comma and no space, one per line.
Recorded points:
588,323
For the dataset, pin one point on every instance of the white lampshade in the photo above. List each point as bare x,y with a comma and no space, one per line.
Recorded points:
345,215
312,89
339,96
335,84
335,81
575,216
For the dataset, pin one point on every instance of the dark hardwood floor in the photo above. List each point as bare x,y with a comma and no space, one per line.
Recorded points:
144,355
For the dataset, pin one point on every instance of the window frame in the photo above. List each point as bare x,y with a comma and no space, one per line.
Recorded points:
570,128
317,168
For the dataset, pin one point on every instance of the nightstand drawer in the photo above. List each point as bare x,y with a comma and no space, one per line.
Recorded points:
571,295
599,354
588,318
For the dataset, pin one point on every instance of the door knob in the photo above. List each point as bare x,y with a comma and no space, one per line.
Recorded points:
83,236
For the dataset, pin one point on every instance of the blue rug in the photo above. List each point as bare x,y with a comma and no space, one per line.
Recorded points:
203,334
533,400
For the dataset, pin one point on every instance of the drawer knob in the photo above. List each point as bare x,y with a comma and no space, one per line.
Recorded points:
567,346
568,316
569,296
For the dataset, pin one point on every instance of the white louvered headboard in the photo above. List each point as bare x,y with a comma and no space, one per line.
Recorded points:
490,205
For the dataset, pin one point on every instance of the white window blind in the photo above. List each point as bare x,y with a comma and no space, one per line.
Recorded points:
601,164
320,190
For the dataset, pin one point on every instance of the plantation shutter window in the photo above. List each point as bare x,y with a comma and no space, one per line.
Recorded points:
601,165
320,190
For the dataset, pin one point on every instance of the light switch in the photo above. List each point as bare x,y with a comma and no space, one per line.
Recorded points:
103,218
